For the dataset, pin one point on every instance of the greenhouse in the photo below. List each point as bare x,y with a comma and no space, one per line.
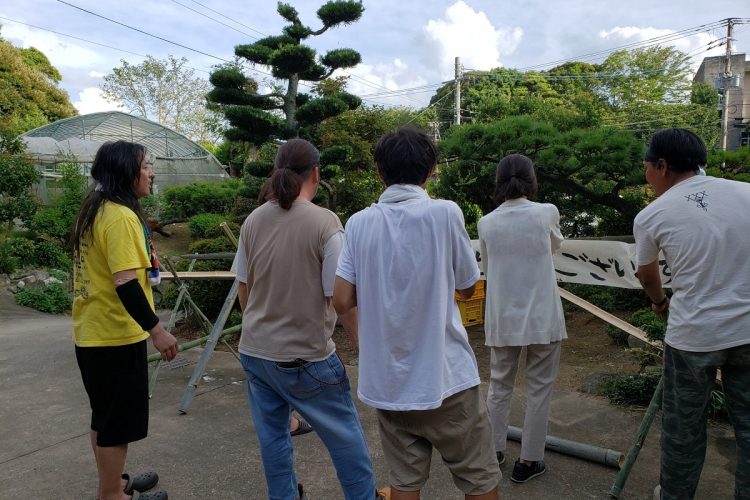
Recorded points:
178,160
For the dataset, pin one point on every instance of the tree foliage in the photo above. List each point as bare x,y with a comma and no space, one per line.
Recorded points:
584,125
255,117
17,175
591,174
165,91
29,92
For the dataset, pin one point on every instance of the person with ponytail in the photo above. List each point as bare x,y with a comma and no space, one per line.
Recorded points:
113,313
523,308
285,264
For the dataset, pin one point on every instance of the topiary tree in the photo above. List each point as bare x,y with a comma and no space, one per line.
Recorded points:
255,117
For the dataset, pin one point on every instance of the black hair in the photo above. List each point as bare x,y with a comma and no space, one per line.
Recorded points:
682,149
116,168
294,163
514,177
406,156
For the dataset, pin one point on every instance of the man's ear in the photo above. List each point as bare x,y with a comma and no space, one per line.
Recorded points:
662,164
316,174
380,172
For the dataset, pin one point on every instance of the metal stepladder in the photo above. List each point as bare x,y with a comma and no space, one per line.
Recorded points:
216,329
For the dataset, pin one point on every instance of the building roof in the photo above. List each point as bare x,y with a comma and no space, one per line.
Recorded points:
161,141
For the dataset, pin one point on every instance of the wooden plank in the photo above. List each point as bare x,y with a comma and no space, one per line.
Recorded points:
609,318
199,275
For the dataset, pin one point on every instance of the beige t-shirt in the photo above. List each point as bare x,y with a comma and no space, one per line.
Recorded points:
287,314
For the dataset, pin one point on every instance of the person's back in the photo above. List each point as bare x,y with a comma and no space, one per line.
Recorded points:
701,225
285,264
407,245
402,260
283,248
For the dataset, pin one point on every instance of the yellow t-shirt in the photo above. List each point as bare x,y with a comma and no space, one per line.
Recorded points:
115,243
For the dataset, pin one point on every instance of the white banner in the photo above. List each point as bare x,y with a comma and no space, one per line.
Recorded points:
596,262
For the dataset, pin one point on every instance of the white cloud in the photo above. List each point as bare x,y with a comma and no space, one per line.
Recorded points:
468,34
59,51
380,83
91,100
96,74
693,45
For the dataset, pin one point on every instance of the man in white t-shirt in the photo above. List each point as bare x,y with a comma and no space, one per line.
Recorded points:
402,260
702,225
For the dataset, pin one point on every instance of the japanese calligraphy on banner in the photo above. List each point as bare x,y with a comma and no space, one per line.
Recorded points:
596,262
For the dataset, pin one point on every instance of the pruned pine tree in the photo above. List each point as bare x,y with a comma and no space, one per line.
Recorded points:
280,114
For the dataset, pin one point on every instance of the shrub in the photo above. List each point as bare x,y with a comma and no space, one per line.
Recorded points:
181,202
609,298
205,225
22,249
241,208
653,326
213,245
208,295
637,389
49,254
52,299
8,262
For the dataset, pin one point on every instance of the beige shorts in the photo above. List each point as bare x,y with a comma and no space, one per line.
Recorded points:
459,430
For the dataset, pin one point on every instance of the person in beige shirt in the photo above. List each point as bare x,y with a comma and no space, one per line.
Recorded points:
286,263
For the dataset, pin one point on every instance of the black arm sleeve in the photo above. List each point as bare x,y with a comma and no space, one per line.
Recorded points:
136,304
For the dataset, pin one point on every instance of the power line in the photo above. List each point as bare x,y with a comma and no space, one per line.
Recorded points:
215,20
145,33
356,77
650,41
227,17
90,41
75,37
158,37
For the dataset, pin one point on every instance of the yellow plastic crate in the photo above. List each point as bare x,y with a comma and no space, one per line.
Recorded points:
472,309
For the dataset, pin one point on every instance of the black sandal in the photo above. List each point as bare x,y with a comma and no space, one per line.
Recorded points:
141,482
156,495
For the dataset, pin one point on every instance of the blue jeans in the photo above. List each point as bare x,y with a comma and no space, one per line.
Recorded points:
320,392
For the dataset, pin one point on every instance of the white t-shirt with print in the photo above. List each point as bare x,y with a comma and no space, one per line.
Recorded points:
702,225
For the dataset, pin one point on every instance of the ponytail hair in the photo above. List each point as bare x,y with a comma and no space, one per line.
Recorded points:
293,165
514,178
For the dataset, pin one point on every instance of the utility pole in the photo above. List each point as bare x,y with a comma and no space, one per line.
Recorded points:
457,91
726,82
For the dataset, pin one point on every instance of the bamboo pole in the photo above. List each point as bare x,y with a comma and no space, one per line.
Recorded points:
635,448
197,342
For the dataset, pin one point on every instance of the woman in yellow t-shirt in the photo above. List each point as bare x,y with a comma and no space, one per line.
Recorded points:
113,313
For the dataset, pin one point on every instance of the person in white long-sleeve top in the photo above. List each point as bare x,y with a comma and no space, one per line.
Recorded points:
523,308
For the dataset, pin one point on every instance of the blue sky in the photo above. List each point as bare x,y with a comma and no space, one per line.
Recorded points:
407,47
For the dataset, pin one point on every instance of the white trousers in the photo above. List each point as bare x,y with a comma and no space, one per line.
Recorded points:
542,365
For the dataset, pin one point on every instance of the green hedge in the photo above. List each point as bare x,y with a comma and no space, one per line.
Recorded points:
181,202
206,225
53,299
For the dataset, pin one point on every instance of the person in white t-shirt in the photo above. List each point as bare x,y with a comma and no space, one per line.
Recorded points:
402,260
523,308
701,224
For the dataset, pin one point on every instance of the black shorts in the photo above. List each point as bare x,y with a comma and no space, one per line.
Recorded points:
116,381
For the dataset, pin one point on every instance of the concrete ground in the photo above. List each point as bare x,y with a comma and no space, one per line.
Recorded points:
211,452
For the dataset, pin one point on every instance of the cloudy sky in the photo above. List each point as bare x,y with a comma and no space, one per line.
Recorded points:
408,47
